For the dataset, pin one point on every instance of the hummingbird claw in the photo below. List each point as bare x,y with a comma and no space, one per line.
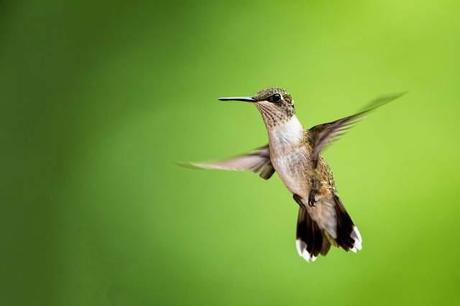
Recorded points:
312,198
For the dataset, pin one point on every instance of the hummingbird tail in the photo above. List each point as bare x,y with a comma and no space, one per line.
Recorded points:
311,240
323,225
348,236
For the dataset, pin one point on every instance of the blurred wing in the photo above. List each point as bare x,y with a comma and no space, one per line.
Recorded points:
257,161
323,134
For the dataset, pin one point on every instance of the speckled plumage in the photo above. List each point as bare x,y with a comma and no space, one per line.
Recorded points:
275,114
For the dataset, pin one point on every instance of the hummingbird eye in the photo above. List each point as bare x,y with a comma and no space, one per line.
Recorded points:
274,98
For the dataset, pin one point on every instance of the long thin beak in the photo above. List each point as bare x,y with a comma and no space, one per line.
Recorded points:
243,99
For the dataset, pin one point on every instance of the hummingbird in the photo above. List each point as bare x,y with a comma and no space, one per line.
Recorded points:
295,154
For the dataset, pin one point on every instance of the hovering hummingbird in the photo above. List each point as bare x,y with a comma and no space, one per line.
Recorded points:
294,153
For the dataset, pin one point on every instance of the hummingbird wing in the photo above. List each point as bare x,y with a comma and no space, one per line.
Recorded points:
257,161
323,134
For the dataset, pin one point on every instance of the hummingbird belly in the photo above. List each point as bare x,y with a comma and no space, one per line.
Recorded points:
291,168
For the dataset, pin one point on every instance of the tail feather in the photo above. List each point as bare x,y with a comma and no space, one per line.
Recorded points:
311,240
326,244
348,236
315,236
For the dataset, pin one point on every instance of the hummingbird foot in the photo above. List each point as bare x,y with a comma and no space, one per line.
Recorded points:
314,190
312,198
298,200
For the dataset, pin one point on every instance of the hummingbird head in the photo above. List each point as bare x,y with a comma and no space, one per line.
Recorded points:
275,105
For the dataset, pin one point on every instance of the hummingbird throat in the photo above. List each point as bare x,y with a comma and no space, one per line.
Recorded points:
286,134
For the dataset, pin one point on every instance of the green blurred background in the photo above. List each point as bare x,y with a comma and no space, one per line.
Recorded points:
100,98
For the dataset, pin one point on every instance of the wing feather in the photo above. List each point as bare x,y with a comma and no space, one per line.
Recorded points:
257,161
323,134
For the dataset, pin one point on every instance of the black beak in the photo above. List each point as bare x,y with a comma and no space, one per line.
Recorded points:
243,99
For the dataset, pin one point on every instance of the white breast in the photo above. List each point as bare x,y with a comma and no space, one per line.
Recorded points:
287,156
287,134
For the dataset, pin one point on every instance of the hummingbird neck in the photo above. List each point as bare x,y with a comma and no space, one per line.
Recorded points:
286,134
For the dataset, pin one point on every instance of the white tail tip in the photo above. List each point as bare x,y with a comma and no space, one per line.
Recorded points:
302,251
356,235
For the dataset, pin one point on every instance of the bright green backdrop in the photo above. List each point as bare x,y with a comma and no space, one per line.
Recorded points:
100,98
